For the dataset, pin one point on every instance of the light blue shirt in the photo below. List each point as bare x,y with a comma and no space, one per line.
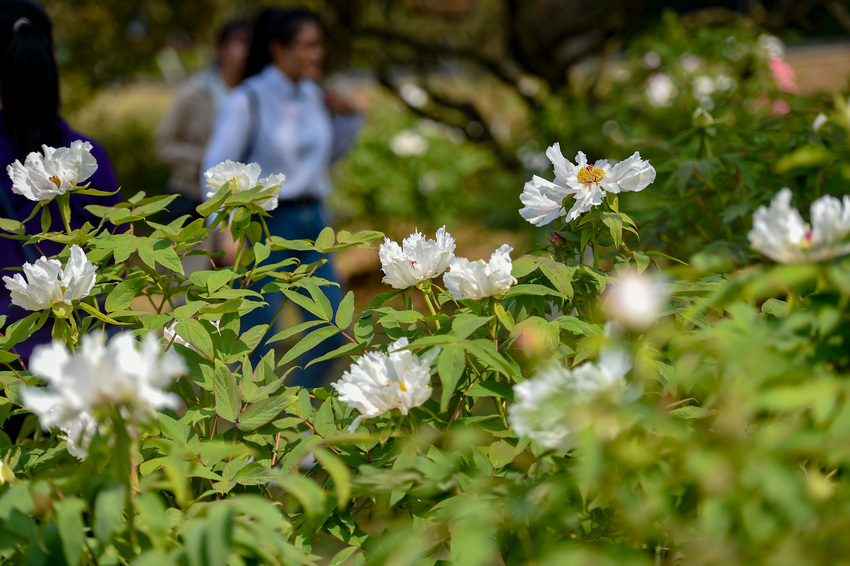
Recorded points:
294,133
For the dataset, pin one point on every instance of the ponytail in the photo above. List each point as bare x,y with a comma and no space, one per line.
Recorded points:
29,81
275,24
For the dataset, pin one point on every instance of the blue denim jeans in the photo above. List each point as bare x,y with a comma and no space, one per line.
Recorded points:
294,222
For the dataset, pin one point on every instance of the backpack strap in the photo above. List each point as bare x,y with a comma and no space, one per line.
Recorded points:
253,124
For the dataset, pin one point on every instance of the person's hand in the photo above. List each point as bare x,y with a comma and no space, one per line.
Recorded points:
341,104
224,242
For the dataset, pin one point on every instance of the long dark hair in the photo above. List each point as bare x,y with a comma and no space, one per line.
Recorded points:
29,81
275,24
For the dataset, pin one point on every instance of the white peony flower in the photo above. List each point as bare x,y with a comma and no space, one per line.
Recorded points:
408,143
416,259
636,300
543,403
780,233
380,382
47,284
476,279
244,177
56,172
96,377
587,184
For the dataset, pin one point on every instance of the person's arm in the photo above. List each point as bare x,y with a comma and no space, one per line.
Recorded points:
347,119
172,147
230,134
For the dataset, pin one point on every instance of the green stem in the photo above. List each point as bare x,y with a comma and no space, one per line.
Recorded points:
595,244
433,312
238,259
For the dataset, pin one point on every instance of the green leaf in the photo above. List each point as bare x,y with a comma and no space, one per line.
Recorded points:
124,293
218,535
533,289
559,275
197,335
96,313
319,298
312,498
504,316
346,349
307,343
339,473
325,239
255,473
450,366
227,399
108,518
297,329
308,304
11,226
465,324
523,265
167,257
345,312
262,412
152,518
72,530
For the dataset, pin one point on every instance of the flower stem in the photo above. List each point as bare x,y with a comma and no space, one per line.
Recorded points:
426,294
595,244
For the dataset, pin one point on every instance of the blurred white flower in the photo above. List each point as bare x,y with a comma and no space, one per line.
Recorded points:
819,121
416,259
543,403
99,376
413,95
244,177
380,382
771,45
476,279
408,143
54,173
651,60
545,200
47,284
690,63
660,90
636,300
780,233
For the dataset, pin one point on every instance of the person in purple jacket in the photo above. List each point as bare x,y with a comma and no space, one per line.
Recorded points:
29,118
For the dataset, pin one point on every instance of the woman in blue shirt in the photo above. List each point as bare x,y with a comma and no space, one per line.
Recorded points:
280,118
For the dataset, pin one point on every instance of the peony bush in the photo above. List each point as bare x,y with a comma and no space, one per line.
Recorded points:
590,401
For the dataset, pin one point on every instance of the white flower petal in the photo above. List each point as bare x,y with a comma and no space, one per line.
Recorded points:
476,279
416,260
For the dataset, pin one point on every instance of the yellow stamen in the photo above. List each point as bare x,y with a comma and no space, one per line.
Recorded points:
401,386
590,174
63,288
56,181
